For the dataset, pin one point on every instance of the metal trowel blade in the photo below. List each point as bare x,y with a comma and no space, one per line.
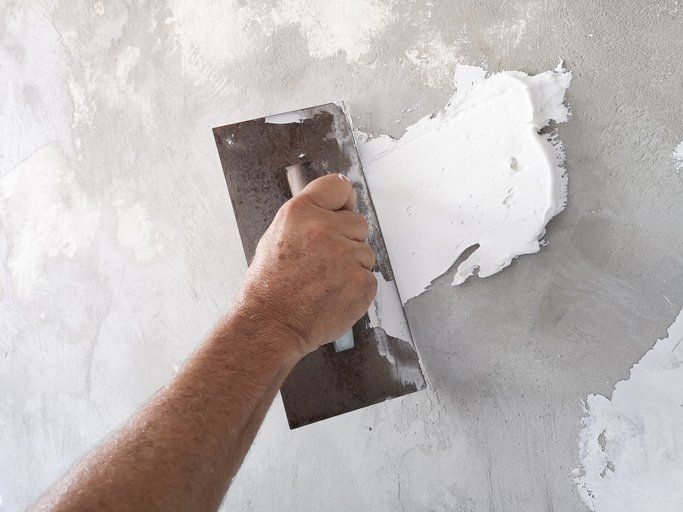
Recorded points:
254,155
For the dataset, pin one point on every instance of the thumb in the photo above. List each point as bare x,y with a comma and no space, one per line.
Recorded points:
332,192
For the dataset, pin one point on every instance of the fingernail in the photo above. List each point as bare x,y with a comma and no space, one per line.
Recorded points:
342,177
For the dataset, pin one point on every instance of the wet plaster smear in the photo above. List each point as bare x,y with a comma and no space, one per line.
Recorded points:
631,443
476,173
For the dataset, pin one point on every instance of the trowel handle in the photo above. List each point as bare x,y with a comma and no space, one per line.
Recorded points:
298,178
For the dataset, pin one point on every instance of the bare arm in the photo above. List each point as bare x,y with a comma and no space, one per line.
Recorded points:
309,281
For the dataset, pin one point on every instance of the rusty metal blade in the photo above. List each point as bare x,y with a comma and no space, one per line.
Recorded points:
254,155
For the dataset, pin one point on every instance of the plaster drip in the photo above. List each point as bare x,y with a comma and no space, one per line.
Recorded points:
630,445
477,172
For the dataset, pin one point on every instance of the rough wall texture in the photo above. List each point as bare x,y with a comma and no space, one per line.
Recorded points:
118,249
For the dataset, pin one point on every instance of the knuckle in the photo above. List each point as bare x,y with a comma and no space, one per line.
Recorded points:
340,180
316,231
289,209
363,225
372,260
342,184
359,280
371,288
366,257
296,203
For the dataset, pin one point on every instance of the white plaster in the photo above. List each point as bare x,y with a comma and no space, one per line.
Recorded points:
464,78
201,30
66,221
631,445
678,156
34,103
433,60
125,63
386,310
136,231
330,27
477,172
327,28
296,116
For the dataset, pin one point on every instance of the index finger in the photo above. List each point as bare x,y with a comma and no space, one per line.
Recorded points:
332,192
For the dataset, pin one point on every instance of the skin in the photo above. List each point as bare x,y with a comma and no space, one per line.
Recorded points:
309,281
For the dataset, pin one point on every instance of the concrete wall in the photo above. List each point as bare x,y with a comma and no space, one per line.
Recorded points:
119,250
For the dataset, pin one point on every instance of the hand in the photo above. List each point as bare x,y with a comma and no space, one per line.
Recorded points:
311,273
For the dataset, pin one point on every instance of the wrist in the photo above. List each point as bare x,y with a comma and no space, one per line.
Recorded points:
275,343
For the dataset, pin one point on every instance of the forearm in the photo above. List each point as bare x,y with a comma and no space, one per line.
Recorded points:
310,279
182,449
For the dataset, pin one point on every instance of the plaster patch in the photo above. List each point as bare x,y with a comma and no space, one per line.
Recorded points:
433,59
136,232
218,32
125,63
65,222
35,103
477,172
214,35
630,446
330,27
678,156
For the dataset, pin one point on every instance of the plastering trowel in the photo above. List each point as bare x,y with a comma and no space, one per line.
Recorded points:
268,160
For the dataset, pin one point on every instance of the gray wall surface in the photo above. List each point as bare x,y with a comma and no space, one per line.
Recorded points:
118,248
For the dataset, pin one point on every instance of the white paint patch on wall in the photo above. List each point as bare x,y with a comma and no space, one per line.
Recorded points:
631,445
477,172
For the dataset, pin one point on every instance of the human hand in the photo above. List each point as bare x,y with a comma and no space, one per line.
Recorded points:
311,274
